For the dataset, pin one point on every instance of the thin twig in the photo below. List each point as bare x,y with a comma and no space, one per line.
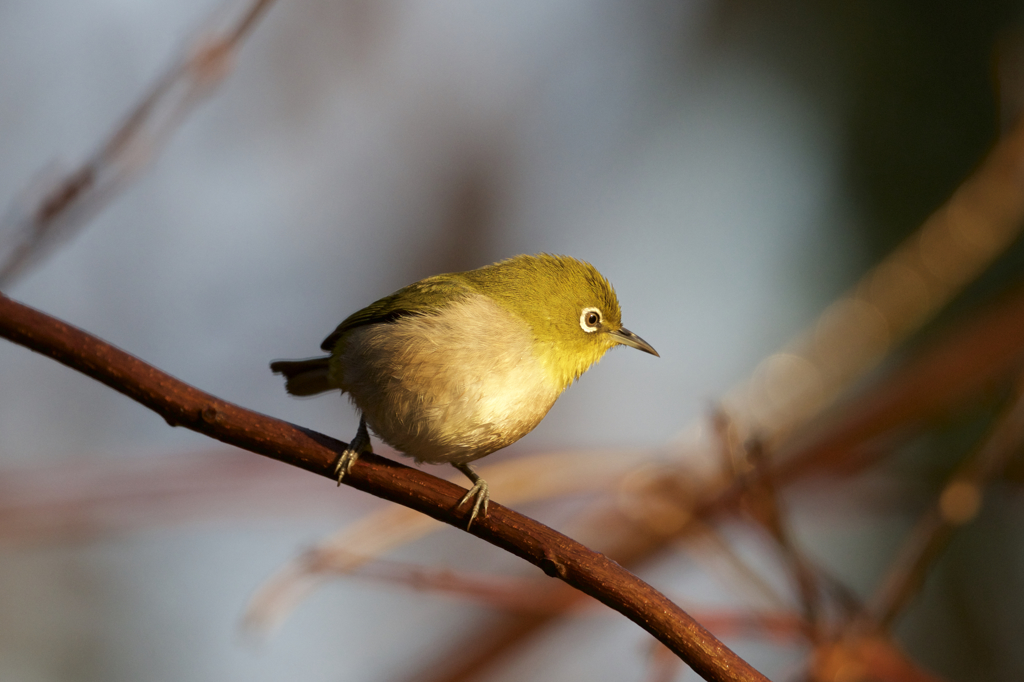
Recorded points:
957,505
514,595
27,235
51,503
557,555
765,496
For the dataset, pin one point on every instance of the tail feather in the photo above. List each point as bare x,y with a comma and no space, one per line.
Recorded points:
304,377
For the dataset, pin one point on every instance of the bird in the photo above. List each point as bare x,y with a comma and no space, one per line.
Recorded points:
456,366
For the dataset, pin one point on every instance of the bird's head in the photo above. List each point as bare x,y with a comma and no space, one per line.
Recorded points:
570,307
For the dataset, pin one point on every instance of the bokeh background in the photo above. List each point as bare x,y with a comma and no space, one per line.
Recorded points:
731,167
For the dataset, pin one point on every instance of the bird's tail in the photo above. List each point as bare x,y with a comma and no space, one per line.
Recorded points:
304,377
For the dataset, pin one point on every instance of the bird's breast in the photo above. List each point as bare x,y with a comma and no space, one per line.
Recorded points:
448,387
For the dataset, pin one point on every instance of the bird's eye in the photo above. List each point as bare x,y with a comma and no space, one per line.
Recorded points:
590,318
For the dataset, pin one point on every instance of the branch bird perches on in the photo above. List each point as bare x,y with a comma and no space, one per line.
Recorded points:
557,555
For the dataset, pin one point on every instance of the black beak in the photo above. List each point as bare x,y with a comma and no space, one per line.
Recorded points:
628,338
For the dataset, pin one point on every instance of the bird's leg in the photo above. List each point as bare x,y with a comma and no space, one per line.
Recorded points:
478,493
359,445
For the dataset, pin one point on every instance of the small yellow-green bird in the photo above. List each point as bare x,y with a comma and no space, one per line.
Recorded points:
456,366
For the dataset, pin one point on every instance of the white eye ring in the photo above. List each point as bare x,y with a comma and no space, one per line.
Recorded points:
586,325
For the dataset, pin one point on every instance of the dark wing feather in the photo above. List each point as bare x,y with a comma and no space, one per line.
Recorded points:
422,298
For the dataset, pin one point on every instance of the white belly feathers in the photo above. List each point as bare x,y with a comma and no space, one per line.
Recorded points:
450,387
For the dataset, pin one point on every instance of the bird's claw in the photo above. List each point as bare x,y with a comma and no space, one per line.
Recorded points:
360,444
345,462
481,497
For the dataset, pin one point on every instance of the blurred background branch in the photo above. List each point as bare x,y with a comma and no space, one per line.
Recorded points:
36,224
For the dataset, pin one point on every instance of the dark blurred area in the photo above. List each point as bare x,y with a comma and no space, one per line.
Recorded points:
915,86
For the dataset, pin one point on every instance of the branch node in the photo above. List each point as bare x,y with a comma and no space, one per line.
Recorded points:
552,567
211,415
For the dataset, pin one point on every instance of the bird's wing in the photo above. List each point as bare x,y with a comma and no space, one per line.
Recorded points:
421,298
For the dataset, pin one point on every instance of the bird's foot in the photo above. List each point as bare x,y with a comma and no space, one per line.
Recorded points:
345,462
479,493
359,445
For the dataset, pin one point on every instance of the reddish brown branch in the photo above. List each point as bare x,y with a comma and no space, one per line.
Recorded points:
555,554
